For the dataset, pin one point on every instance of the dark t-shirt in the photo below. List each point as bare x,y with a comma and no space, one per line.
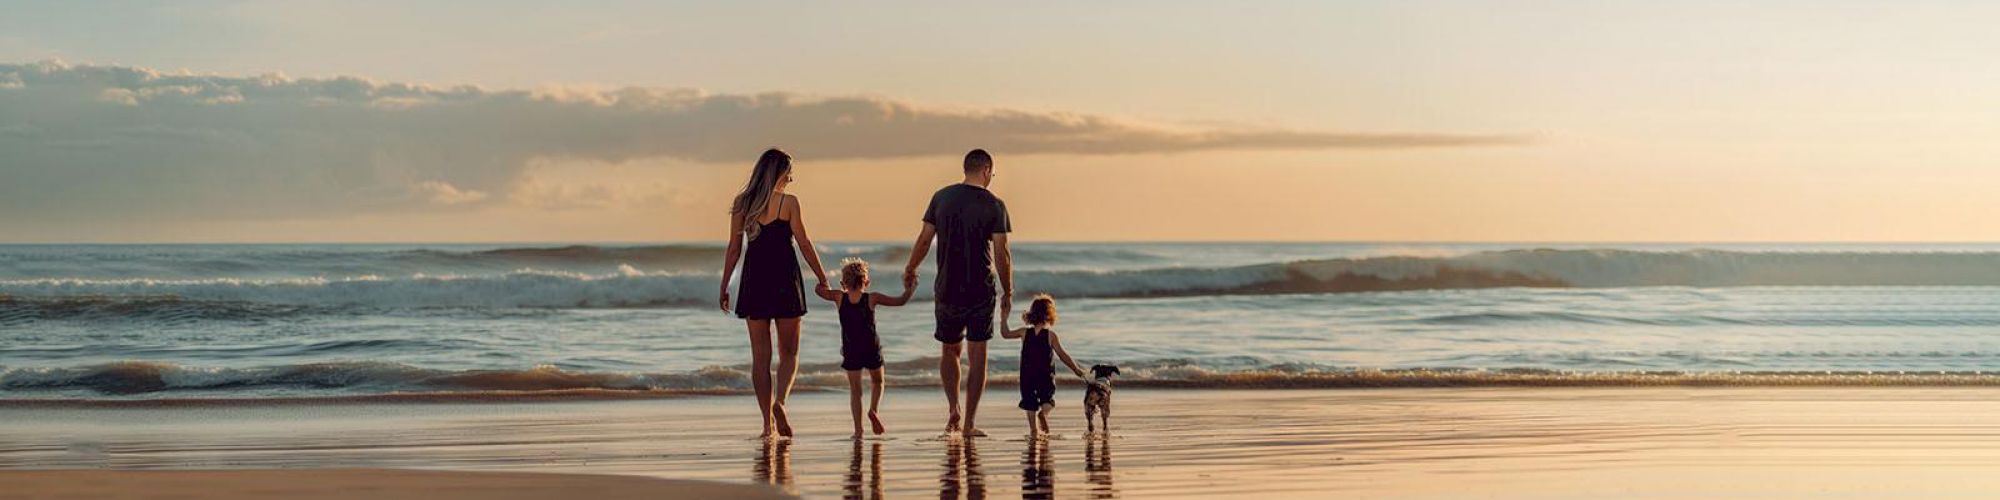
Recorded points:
966,218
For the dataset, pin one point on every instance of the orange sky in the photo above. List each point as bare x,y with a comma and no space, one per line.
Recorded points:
1630,121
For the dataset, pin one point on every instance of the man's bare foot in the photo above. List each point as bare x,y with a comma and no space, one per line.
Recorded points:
973,432
877,420
951,425
784,424
856,436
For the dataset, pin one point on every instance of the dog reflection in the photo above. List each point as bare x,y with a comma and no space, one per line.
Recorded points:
868,484
1097,467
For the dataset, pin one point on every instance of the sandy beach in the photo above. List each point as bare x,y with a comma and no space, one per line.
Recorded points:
1406,443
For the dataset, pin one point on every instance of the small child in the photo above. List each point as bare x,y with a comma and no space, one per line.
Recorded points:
860,347
1038,371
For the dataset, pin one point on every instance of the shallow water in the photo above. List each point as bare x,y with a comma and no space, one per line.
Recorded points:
178,321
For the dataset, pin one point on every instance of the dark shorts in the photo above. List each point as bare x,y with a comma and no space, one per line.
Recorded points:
852,361
961,322
1037,393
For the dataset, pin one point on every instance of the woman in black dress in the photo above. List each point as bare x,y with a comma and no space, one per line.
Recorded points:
767,221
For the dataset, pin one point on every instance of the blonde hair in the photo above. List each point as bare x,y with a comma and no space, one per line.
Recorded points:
758,193
852,271
1042,311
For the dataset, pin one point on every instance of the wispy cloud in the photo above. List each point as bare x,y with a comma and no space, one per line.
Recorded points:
115,140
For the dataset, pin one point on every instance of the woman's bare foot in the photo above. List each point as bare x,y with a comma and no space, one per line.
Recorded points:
769,431
973,432
951,426
856,436
877,420
784,424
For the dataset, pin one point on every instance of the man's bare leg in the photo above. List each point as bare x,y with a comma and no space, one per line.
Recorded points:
975,387
948,371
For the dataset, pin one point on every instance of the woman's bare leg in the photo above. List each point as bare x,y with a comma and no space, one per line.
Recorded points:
875,400
788,370
760,368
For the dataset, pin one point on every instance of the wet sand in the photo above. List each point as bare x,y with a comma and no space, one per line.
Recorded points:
376,484
1407,443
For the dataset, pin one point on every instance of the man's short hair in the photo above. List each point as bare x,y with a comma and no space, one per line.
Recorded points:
977,159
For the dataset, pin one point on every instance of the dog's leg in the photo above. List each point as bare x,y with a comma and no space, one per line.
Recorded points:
1090,417
1106,414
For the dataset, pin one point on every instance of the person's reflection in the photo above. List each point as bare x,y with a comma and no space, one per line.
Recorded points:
1097,467
962,474
871,482
1038,471
774,464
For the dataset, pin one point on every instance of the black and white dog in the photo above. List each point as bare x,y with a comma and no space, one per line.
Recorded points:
1097,396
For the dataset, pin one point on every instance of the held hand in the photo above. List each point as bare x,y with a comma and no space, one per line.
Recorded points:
821,288
909,278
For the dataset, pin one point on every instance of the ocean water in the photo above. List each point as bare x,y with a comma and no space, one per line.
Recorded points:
253,321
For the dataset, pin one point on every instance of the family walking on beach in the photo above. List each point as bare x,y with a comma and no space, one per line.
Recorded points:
974,277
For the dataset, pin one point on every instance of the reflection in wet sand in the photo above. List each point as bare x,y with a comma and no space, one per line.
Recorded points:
871,482
1097,466
774,465
1038,471
962,477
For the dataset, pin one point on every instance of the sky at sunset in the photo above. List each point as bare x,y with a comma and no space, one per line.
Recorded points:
488,121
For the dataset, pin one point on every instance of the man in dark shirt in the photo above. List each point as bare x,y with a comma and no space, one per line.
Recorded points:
970,226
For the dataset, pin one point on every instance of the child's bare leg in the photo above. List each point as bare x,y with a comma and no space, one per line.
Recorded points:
1033,430
854,399
875,400
1044,417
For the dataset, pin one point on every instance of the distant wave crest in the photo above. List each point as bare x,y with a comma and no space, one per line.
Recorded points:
635,286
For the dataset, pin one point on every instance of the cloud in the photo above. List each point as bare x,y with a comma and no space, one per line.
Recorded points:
114,141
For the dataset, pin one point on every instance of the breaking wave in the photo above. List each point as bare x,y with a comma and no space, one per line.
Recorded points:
629,285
